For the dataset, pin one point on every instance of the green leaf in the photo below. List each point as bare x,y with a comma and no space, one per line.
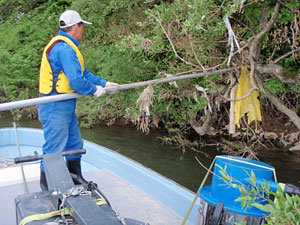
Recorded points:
265,208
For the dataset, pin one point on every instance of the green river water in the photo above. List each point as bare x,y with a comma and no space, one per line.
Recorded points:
167,160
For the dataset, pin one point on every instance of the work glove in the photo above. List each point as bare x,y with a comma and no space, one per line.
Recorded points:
100,91
111,87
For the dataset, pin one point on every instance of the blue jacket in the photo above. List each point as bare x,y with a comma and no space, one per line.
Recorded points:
63,57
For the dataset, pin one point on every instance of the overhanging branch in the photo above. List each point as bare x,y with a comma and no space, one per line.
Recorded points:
279,72
281,107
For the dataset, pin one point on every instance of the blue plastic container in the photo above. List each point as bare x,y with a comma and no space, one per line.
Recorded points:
237,168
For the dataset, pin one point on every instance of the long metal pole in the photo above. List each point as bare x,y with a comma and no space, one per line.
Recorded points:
41,100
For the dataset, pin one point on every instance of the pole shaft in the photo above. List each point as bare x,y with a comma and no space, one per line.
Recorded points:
61,97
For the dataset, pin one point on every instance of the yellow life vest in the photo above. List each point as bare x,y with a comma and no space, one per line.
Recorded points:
47,84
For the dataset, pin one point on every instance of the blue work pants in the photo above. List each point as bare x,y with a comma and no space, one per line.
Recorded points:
60,125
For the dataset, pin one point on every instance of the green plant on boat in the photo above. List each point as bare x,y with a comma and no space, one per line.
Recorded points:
284,210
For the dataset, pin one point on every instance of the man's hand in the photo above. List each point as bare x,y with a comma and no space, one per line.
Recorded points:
100,91
111,87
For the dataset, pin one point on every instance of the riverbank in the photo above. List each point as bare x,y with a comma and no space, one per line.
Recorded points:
150,43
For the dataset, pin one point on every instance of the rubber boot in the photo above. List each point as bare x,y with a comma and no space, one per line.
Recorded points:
43,181
74,167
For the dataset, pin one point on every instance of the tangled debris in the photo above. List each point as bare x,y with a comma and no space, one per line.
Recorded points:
145,100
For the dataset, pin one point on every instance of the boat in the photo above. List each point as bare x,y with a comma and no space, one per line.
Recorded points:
121,191
133,191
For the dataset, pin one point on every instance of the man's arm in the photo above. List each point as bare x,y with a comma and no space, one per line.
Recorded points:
97,80
72,69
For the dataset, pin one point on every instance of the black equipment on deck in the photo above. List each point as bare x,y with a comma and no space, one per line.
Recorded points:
64,202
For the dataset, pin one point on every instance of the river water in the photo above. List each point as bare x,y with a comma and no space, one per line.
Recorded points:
167,160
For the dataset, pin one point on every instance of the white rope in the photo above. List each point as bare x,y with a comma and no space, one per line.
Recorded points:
231,40
7,162
19,151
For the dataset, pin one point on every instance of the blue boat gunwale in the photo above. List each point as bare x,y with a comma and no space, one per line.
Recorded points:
164,188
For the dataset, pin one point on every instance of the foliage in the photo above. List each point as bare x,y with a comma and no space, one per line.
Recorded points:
127,43
285,209
22,46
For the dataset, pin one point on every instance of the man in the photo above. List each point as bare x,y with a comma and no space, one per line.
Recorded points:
63,71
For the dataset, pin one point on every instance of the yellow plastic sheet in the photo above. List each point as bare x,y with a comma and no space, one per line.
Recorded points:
249,105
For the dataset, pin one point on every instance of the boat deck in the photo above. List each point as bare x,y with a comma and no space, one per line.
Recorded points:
129,201
133,190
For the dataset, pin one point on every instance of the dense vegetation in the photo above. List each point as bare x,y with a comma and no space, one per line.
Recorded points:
137,40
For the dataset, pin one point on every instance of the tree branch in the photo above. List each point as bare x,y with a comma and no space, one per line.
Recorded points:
282,108
287,55
256,42
171,43
267,27
279,72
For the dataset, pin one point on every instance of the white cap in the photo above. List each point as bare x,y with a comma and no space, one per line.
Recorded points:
69,18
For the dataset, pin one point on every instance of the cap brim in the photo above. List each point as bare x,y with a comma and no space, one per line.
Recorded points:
86,23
